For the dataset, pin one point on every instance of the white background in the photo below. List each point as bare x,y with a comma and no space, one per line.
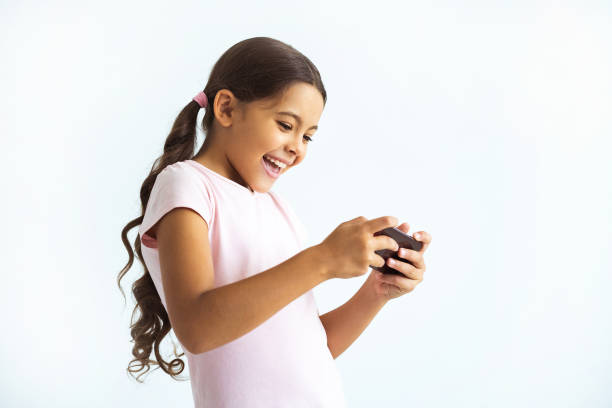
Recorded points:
485,124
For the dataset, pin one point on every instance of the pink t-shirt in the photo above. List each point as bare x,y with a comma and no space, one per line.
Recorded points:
284,362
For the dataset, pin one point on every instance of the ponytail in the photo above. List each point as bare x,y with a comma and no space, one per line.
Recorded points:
154,324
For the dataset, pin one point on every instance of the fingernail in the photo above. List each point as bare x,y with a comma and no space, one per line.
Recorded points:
417,235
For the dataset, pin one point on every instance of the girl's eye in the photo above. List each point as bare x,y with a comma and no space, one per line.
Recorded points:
288,127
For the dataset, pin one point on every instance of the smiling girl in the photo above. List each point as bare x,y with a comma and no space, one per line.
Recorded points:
225,261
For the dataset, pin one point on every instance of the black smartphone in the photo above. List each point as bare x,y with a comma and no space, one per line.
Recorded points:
403,240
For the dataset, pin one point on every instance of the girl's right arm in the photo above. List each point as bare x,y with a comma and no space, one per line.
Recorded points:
204,317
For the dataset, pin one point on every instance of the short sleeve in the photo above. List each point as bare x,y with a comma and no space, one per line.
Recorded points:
175,186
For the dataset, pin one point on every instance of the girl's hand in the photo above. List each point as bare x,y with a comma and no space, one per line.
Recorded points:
387,286
351,247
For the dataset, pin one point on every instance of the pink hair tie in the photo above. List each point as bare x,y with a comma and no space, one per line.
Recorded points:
201,99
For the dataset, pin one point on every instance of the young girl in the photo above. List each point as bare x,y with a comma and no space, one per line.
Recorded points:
224,256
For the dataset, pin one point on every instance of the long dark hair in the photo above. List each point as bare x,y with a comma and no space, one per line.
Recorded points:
255,68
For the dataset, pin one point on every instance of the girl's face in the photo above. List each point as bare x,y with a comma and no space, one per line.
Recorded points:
280,127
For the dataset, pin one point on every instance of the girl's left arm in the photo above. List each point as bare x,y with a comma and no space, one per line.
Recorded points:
344,324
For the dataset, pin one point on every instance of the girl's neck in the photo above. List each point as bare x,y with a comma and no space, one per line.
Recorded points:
209,159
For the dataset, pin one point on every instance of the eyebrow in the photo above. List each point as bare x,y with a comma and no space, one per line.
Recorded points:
297,118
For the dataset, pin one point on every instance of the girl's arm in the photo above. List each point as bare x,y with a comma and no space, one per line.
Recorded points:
204,317
230,311
344,324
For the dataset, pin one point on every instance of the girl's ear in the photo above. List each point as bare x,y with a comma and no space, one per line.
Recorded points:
225,107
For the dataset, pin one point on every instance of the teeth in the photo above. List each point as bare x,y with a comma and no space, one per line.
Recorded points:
278,163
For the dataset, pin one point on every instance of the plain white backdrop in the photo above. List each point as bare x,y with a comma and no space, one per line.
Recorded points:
486,124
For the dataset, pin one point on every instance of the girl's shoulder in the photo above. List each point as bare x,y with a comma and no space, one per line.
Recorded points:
183,172
178,168
177,186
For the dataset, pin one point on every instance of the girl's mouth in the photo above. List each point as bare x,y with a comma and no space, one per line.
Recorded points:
270,168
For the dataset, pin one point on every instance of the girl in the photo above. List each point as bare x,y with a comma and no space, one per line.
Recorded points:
224,257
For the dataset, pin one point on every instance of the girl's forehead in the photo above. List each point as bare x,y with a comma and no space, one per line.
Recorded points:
303,103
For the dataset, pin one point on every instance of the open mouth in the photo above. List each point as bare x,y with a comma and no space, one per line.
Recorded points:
272,169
